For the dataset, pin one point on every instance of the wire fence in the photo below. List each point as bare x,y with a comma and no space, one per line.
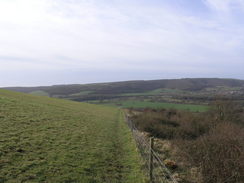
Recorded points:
153,164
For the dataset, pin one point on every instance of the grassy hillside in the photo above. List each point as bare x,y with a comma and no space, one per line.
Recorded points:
53,140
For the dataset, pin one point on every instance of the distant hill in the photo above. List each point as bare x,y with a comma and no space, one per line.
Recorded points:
187,84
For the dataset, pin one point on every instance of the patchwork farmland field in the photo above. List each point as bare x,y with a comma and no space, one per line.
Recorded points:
39,93
53,140
160,105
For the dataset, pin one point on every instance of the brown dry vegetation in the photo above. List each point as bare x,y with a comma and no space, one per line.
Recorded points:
219,154
213,141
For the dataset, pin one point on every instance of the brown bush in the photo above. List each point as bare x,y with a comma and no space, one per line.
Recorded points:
170,124
207,141
192,126
227,111
155,125
219,154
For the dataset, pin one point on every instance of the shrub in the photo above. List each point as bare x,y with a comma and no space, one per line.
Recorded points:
213,142
227,111
219,154
170,124
156,123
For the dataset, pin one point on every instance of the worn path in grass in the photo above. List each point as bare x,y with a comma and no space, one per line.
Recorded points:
52,140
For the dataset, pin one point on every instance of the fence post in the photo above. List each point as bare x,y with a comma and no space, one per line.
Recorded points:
151,160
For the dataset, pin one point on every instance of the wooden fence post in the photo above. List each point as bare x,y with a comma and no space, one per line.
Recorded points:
151,160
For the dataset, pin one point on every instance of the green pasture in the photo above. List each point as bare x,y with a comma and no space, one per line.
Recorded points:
153,92
39,93
44,139
158,105
81,93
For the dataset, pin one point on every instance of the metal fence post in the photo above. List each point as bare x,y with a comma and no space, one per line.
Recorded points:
151,160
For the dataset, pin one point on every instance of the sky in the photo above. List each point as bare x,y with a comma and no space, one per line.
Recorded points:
46,42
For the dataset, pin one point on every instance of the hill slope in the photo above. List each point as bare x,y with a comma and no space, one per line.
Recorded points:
53,140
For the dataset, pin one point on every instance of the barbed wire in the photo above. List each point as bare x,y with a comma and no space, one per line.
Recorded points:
160,173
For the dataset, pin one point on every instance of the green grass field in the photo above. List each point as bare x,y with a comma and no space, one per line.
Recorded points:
158,105
154,92
39,93
81,93
52,140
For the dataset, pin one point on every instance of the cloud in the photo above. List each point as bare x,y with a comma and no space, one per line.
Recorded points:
225,5
125,35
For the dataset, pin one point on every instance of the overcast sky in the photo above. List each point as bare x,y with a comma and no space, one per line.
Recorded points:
44,42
